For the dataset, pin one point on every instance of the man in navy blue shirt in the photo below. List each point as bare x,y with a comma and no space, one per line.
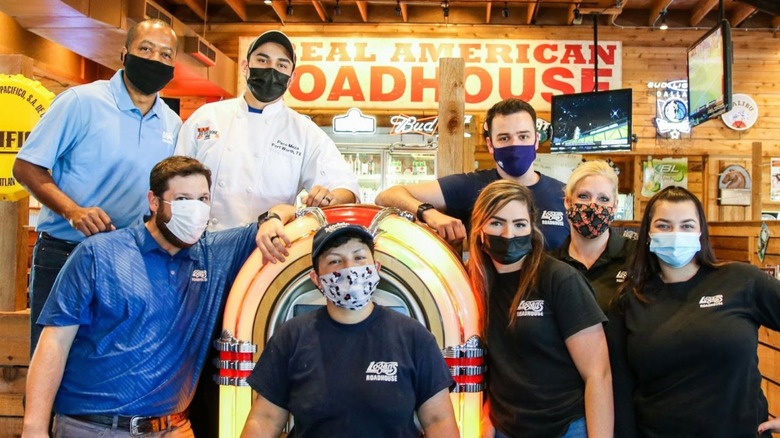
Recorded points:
128,323
511,137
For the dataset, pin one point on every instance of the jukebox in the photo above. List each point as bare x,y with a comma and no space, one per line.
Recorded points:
421,277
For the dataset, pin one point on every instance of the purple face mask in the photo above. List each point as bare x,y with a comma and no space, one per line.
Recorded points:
515,160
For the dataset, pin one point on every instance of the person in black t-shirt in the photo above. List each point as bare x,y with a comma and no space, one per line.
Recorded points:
352,368
597,251
548,367
445,204
689,329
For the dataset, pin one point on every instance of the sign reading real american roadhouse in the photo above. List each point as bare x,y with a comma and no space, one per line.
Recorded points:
403,73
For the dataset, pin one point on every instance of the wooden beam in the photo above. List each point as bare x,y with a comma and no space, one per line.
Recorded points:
488,11
655,11
405,12
239,7
280,7
452,98
533,8
570,14
321,11
197,8
701,10
776,22
739,13
757,174
363,8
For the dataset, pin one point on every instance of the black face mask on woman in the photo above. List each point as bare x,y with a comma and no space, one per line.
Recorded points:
506,251
267,84
147,75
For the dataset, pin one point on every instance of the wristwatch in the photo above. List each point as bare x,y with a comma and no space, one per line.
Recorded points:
267,216
422,209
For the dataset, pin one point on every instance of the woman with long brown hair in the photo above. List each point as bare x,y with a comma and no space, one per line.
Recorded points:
689,329
548,367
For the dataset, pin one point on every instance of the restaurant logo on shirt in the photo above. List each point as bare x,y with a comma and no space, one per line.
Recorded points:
206,133
531,308
621,276
382,372
552,218
716,300
199,275
167,137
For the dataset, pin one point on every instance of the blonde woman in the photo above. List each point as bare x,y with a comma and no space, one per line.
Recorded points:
549,373
590,198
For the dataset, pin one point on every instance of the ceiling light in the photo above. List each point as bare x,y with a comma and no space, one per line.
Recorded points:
398,8
268,2
446,11
663,25
289,7
505,11
337,9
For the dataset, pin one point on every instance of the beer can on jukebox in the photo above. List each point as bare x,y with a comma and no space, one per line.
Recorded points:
421,277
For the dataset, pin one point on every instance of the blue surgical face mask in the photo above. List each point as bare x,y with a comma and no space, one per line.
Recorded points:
675,249
515,160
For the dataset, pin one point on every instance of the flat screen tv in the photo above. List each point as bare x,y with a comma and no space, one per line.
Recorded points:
593,122
709,75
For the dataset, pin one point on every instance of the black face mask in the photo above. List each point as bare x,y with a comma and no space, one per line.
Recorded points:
506,251
267,84
147,75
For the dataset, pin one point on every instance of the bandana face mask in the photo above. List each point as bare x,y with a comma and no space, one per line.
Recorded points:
590,220
350,288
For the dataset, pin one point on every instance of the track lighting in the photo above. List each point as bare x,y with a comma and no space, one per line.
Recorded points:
577,15
268,2
445,7
663,25
337,9
505,11
398,8
289,7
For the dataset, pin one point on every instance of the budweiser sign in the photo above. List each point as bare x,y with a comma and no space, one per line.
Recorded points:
403,124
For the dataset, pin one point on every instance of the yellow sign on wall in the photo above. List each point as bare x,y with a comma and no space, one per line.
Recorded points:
22,103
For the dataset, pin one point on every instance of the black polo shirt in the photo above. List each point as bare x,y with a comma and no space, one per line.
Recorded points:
609,271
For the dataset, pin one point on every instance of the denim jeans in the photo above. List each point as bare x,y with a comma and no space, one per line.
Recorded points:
67,427
48,257
576,429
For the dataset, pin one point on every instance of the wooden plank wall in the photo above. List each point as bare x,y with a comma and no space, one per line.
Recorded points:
739,242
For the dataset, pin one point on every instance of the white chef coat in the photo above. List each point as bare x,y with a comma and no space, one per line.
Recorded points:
260,160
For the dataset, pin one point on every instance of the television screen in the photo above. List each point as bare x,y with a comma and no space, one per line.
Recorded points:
591,122
709,75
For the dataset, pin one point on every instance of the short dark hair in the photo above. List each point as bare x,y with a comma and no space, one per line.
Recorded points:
177,165
505,108
339,240
132,33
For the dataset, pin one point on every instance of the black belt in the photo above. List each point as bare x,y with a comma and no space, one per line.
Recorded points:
47,236
136,425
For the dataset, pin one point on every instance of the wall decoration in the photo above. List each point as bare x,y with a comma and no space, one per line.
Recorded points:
743,114
665,172
671,109
734,185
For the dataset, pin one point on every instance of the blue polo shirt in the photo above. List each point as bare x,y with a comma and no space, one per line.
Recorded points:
100,150
145,318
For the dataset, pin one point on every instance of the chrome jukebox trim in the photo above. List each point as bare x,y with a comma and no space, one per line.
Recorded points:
230,381
470,349
227,342
237,365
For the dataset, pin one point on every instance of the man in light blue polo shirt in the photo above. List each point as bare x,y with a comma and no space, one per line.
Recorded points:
129,320
99,141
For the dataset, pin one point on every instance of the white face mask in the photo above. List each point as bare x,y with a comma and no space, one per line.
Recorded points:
676,249
189,219
350,288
